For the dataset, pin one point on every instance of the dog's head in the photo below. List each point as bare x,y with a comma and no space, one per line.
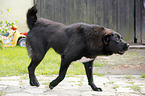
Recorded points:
113,42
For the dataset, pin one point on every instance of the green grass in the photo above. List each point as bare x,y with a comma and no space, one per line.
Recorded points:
99,63
142,75
129,77
130,82
115,86
15,60
135,88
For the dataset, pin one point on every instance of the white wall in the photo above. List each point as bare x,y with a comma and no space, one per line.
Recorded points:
18,10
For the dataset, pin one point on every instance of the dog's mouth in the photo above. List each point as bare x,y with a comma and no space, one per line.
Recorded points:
125,48
121,52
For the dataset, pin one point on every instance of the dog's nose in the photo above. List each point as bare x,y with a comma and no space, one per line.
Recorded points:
126,46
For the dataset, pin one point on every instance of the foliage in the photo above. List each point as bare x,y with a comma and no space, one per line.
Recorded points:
4,25
1,45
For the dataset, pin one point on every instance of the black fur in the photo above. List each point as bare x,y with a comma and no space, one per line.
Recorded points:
31,17
72,42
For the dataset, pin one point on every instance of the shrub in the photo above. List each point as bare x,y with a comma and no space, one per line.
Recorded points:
4,26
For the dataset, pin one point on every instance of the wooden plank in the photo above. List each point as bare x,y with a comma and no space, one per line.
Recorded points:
131,23
125,20
101,14
143,20
138,21
115,14
97,13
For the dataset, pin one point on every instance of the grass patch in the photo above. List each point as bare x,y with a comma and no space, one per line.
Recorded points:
115,86
24,77
111,82
98,74
45,83
135,88
2,93
142,75
14,62
129,77
99,63
1,45
80,82
130,82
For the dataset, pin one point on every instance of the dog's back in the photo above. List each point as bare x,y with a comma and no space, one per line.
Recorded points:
45,33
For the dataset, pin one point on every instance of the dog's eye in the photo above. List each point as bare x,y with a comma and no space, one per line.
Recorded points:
118,39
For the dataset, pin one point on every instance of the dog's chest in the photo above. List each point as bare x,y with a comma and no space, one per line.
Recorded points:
84,59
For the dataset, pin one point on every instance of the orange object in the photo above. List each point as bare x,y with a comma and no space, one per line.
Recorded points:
14,27
24,33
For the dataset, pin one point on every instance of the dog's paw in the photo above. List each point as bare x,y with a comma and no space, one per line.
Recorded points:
51,87
34,83
94,88
98,89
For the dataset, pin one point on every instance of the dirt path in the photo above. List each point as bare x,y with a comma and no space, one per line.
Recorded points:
132,62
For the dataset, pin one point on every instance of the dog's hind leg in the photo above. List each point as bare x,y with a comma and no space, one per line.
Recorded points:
89,71
31,68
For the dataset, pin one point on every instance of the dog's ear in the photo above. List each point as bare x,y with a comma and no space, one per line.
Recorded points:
99,28
106,38
85,28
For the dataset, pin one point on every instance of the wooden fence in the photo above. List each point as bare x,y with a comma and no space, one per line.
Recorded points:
115,14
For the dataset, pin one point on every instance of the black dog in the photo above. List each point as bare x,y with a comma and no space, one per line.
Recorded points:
71,42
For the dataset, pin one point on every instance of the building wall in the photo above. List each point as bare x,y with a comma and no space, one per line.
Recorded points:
18,10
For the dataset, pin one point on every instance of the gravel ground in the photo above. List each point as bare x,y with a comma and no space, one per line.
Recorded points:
132,62
112,85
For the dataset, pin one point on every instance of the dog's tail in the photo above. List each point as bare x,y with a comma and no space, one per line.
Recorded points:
31,17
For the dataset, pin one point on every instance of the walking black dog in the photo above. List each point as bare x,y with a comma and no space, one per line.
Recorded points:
72,42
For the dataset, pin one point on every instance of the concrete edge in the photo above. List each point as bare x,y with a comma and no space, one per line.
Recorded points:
137,47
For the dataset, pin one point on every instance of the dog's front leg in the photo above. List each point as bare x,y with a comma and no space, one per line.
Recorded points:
89,72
